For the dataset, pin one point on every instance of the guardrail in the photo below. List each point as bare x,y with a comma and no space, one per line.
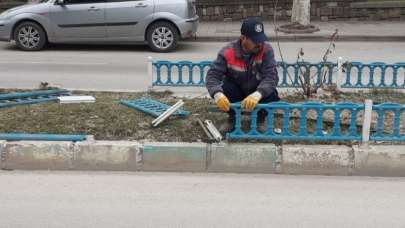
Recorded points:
380,75
183,73
351,75
397,121
352,131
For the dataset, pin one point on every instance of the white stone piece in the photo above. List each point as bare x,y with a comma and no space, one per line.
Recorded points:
76,99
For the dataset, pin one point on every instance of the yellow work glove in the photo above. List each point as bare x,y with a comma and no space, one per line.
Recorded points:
222,102
250,102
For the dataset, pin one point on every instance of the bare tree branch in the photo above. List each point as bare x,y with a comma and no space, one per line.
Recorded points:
325,59
305,78
279,46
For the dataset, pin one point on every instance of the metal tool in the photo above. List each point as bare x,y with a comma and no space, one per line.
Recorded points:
213,130
167,113
210,137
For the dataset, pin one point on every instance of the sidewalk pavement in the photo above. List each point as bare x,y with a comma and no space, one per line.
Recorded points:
348,31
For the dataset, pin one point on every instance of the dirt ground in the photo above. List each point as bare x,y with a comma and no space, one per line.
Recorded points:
108,120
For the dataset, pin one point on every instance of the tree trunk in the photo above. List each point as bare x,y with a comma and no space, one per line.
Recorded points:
301,12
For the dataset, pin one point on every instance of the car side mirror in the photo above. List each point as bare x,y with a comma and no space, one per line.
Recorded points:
60,2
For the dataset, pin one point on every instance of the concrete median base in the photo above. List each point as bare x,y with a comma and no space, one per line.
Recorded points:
2,159
373,160
380,160
38,155
322,159
189,157
243,158
106,156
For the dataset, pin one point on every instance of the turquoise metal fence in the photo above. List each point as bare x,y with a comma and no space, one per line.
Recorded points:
186,75
379,75
358,75
41,137
318,130
389,122
35,97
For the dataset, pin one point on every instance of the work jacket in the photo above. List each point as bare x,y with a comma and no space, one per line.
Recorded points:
256,72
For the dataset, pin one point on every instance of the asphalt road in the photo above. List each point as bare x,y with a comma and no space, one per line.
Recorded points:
123,68
82,199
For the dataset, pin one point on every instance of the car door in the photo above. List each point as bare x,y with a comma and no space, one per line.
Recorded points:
126,19
79,20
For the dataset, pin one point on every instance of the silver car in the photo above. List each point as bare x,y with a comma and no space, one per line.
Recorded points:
160,23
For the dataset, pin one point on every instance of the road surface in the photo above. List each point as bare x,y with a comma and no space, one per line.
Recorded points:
123,68
100,199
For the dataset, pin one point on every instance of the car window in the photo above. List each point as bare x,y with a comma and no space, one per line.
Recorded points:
83,1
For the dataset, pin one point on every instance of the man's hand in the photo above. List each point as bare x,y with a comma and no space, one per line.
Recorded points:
222,102
251,101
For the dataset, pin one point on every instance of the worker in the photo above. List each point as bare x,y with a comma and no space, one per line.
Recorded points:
244,71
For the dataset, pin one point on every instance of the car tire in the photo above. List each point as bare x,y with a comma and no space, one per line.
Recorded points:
162,37
30,36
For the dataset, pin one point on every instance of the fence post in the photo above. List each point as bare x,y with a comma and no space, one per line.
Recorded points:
150,72
368,108
339,73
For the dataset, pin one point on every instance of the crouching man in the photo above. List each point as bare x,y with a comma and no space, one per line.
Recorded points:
244,71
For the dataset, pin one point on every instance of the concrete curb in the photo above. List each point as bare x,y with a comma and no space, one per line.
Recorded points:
319,159
189,157
106,156
2,157
373,160
306,38
243,158
38,155
380,160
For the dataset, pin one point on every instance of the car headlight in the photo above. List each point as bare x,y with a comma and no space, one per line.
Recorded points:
4,14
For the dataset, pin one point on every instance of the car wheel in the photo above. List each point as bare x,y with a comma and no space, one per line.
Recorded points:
162,37
30,36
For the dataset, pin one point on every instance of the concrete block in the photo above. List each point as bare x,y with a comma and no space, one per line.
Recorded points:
379,160
243,158
218,10
106,156
38,155
331,4
316,159
210,11
189,157
394,12
326,11
338,11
